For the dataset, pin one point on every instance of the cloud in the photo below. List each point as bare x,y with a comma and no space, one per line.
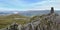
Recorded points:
29,4
47,4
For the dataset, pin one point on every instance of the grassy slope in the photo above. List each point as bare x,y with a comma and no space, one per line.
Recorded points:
7,20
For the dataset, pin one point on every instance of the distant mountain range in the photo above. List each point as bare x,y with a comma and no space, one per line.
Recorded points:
28,13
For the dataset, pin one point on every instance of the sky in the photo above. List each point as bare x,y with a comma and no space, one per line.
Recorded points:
25,5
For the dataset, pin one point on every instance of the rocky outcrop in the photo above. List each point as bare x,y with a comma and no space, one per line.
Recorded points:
47,22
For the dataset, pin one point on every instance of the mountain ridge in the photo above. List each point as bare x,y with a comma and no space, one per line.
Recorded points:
28,13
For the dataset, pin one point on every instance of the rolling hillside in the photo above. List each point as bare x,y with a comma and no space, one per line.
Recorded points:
8,20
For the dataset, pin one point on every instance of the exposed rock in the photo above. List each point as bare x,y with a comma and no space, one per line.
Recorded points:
48,22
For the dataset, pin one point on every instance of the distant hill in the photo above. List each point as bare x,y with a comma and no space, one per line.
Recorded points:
28,13
12,16
15,16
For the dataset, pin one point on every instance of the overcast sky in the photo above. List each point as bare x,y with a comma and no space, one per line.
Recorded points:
23,5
